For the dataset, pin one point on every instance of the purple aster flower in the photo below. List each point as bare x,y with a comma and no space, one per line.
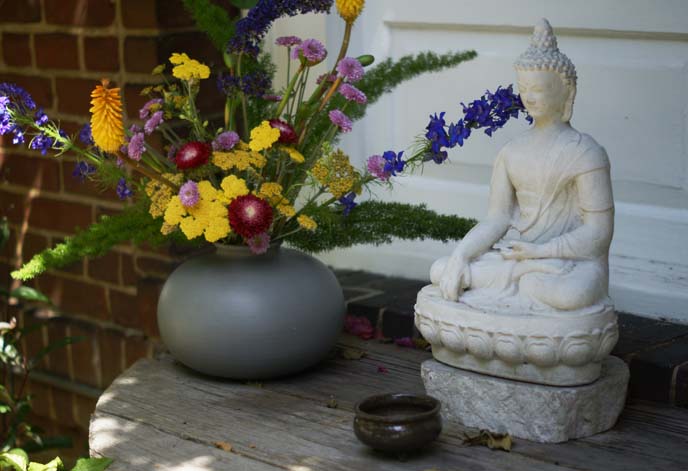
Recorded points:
288,41
347,201
259,244
146,109
188,194
340,119
41,119
226,141
41,142
376,167
82,170
153,123
311,51
123,191
350,69
136,146
394,162
352,93
251,29
85,135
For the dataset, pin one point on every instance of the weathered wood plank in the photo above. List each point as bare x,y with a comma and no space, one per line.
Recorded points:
285,423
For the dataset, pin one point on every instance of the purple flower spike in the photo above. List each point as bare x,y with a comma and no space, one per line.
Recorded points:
136,146
350,69
340,119
288,41
352,93
123,190
153,123
188,194
82,170
85,135
225,141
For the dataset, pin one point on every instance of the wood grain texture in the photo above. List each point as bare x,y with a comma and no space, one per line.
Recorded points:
160,415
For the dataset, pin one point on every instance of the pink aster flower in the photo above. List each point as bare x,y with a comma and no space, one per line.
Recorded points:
288,41
340,119
145,110
136,146
311,51
259,244
376,167
352,93
225,141
350,69
188,194
153,123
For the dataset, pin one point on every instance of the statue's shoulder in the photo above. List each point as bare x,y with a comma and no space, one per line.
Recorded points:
591,151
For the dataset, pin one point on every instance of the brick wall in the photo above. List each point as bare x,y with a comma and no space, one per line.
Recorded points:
59,50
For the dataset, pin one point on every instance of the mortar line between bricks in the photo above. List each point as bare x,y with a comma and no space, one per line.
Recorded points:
99,31
64,197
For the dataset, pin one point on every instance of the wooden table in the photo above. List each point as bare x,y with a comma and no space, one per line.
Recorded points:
160,415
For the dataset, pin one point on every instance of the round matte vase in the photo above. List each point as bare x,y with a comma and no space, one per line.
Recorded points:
244,316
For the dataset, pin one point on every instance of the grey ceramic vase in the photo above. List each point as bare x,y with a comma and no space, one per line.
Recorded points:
243,316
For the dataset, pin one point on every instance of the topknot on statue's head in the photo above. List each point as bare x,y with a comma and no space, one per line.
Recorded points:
543,54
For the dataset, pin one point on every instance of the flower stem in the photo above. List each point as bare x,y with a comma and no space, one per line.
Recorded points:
144,171
287,92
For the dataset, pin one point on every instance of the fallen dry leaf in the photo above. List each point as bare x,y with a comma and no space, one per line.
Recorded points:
352,353
494,441
332,403
224,446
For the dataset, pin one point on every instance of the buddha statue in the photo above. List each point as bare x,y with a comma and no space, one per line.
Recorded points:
539,260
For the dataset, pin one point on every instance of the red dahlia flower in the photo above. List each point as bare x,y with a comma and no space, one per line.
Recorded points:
249,216
287,133
192,154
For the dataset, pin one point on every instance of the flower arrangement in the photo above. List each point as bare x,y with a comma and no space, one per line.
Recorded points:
270,170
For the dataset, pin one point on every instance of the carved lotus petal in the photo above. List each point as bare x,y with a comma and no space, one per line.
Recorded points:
610,335
541,351
453,339
428,329
578,349
509,348
479,344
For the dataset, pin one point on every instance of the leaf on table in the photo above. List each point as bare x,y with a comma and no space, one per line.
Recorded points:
332,403
92,464
352,353
494,441
224,446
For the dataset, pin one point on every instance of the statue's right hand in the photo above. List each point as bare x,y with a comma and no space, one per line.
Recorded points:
450,282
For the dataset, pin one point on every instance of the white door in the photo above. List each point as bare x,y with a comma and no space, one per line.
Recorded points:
632,63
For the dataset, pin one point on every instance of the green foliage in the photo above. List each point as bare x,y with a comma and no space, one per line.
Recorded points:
380,79
212,20
134,224
17,460
375,222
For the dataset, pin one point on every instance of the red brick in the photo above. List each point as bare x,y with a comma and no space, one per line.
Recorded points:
64,406
60,216
141,54
83,408
16,49
155,266
129,275
85,354
33,342
87,187
32,172
56,51
41,397
105,268
20,11
195,44
111,353
172,14
75,296
12,207
80,12
31,245
139,13
58,358
136,348
148,292
125,309
74,95
133,100
101,53
40,88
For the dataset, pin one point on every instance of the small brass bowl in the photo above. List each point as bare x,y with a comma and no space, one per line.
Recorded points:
397,423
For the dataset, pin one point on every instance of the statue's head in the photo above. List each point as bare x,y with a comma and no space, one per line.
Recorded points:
546,77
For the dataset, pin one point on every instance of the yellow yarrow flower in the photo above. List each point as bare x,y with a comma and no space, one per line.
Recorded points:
233,187
295,155
161,194
106,117
263,137
307,222
188,69
349,9
238,159
286,210
336,173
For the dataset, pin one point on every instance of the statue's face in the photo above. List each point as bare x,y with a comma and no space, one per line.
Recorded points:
543,93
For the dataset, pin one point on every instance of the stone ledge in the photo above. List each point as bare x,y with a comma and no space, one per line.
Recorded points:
655,350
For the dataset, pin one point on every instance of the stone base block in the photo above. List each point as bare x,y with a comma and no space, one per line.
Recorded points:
546,414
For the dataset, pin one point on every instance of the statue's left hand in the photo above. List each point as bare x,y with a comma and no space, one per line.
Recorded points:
523,251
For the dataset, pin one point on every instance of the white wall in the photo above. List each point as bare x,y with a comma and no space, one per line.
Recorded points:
632,62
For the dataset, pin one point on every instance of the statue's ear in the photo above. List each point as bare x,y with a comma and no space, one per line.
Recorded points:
568,106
